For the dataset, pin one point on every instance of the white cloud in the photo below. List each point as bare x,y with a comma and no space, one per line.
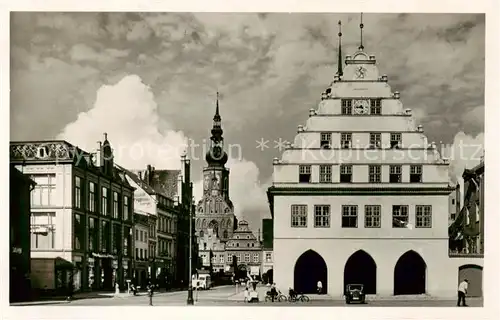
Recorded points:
127,112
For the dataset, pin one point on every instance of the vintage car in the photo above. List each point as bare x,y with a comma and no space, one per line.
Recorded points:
354,293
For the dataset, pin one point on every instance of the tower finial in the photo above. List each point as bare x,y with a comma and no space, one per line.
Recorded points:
361,30
105,136
339,62
217,107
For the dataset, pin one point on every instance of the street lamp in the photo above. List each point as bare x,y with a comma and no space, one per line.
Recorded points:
190,300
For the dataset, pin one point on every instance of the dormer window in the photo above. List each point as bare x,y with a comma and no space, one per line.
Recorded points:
395,174
375,106
395,140
345,140
305,174
346,106
326,140
415,174
375,140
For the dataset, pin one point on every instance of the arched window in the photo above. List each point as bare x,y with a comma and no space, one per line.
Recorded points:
225,234
201,234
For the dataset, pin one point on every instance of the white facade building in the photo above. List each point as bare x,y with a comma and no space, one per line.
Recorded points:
361,196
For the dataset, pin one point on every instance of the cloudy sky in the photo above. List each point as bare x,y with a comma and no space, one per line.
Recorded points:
151,79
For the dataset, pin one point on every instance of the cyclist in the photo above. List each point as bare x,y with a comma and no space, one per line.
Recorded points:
292,293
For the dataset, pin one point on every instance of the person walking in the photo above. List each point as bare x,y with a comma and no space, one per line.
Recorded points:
150,288
462,291
320,287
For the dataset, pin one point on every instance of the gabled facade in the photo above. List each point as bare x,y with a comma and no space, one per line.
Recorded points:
361,196
247,249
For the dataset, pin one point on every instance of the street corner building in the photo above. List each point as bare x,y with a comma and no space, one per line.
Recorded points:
81,216
361,197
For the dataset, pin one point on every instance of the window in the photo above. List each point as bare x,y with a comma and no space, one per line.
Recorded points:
43,230
269,257
93,234
78,192
104,200
346,140
395,174
375,140
247,257
346,106
345,173
116,238
238,257
224,234
416,174
399,216
229,258
452,201
105,236
325,173
374,172
136,253
116,206
372,216
127,240
78,232
255,258
395,140
126,208
423,216
453,216
92,197
299,216
322,216
349,216
44,192
140,254
375,106
221,259
136,235
326,140
304,174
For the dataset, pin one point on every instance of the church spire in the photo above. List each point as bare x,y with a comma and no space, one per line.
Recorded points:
361,47
217,128
339,63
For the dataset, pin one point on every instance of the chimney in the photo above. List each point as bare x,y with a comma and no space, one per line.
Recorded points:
140,175
179,188
99,155
183,165
187,171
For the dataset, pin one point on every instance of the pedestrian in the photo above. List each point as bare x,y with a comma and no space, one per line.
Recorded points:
320,287
274,292
462,291
150,293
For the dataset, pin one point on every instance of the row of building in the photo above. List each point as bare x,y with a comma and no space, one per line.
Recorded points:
79,219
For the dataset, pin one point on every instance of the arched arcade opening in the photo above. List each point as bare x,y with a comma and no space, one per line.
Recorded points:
474,274
410,274
309,269
360,268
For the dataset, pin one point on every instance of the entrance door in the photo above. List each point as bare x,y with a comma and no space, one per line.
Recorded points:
309,269
360,268
409,274
474,274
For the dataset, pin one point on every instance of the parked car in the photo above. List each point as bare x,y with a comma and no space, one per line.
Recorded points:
354,293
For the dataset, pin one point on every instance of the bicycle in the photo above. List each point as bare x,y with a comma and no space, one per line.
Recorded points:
280,297
298,297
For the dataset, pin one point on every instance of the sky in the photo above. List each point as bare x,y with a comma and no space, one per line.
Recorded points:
150,81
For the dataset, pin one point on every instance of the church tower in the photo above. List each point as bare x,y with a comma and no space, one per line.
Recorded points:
215,212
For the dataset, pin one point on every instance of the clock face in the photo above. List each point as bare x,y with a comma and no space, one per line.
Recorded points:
360,72
361,106
217,152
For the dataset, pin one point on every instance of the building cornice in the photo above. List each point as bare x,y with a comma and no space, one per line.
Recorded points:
359,191
360,163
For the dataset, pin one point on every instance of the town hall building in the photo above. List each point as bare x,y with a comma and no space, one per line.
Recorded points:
361,197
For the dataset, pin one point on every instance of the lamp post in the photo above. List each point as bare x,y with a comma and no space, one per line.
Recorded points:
190,300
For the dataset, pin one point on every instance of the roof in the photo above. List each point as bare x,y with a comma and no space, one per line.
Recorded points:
164,182
18,175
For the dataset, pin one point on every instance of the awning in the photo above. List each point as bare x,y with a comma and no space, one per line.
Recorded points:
61,263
